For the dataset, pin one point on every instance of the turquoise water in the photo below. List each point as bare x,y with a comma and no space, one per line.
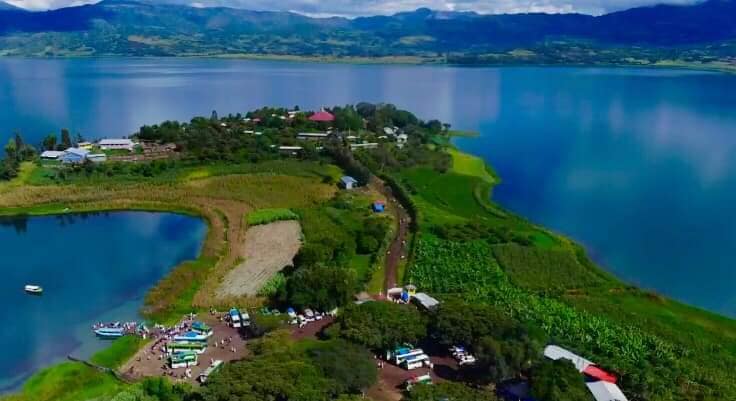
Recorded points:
639,165
93,267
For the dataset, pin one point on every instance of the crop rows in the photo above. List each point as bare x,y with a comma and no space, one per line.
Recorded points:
469,268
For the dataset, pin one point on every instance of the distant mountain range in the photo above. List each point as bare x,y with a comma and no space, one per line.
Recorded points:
700,33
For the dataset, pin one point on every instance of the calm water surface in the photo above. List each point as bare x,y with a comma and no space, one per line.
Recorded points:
93,267
639,165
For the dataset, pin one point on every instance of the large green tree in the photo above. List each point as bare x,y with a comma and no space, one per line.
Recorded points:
448,391
350,366
272,377
49,143
321,287
66,139
461,323
558,381
382,325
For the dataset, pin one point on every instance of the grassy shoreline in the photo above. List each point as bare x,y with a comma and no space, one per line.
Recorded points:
719,67
487,203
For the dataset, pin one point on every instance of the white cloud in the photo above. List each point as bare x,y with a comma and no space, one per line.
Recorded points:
352,8
47,4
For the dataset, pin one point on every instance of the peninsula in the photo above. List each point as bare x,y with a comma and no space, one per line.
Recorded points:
354,251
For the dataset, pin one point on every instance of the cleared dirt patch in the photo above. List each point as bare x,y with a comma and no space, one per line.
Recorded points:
268,249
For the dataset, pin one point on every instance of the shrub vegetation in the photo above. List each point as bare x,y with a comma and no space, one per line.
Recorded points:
265,216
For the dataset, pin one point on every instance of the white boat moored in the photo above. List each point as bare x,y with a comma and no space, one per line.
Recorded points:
33,289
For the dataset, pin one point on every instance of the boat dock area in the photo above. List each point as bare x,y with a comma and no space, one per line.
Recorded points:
224,344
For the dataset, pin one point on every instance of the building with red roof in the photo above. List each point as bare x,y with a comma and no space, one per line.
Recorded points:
322,117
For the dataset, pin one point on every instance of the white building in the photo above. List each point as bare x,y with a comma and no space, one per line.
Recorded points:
113,144
401,140
51,154
97,157
371,145
313,136
425,301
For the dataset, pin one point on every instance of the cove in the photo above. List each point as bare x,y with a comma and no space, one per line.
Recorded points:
93,267
639,165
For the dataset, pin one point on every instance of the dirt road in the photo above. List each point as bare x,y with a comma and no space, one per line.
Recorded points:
398,249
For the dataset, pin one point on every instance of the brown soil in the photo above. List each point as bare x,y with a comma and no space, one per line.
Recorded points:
311,330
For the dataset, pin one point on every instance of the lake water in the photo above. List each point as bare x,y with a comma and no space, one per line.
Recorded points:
638,165
93,267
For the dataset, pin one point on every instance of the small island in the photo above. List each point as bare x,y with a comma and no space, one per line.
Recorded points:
354,253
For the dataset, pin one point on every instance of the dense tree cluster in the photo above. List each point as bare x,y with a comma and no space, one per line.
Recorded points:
16,151
321,287
307,371
558,381
503,347
449,391
335,234
382,325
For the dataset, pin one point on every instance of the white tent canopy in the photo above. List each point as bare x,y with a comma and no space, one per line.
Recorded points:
605,391
554,352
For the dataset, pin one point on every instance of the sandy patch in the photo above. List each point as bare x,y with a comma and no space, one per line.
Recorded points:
268,249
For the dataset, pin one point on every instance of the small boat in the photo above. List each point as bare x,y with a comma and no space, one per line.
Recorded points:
202,329
110,332
34,289
191,336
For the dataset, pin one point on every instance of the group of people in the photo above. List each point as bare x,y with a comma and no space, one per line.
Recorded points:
226,341
128,327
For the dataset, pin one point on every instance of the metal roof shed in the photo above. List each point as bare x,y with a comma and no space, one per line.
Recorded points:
51,154
425,301
605,391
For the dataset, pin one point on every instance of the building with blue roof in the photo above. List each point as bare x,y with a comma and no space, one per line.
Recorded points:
74,156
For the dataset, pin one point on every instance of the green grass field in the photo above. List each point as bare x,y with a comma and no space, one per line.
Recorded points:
463,163
118,353
265,216
68,381
73,381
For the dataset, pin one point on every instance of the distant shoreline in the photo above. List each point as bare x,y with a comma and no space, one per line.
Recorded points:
406,60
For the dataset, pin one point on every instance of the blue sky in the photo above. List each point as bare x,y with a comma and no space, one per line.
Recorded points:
351,8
